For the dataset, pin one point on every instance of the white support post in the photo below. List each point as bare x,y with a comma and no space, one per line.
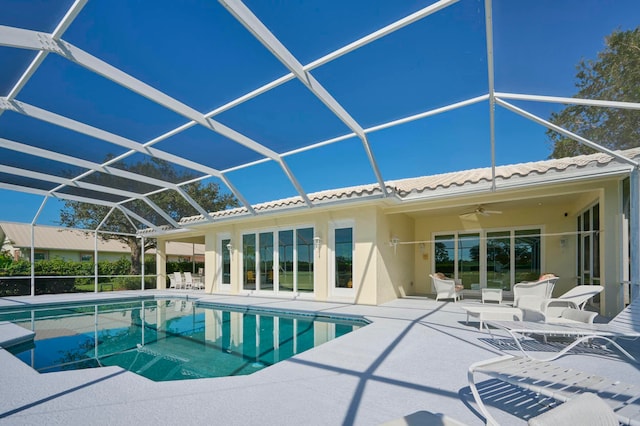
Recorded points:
634,218
492,97
33,267
95,261
33,245
142,263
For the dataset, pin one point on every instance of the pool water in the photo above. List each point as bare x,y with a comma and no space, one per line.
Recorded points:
166,340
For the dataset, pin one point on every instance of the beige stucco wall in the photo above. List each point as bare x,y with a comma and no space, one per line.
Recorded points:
610,245
395,265
365,246
382,272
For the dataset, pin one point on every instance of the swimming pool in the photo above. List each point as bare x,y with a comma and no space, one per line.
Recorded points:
165,340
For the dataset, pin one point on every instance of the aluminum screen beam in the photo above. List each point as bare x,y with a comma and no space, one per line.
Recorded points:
94,132
271,42
565,132
26,39
488,18
574,101
382,32
137,217
85,185
45,193
66,159
69,17
58,120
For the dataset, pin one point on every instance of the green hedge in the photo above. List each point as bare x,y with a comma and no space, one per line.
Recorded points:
61,270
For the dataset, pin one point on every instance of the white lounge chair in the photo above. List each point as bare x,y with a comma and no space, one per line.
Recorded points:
624,325
560,383
545,310
445,289
585,409
577,298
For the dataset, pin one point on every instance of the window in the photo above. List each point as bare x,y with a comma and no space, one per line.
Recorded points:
589,246
495,259
249,261
285,260
225,261
40,255
86,257
305,260
343,257
266,260
527,255
445,254
498,259
469,258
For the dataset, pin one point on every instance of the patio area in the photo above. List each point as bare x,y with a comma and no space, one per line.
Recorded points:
410,361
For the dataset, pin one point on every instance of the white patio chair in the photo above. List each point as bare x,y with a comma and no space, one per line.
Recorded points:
445,289
625,325
179,280
529,296
531,293
188,280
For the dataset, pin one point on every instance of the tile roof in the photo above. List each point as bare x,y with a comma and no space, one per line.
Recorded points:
405,188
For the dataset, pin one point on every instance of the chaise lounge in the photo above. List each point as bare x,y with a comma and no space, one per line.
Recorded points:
560,383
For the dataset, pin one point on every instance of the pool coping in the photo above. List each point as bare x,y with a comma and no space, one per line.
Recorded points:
412,357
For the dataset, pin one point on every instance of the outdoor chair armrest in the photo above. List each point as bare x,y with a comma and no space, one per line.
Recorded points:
578,315
553,308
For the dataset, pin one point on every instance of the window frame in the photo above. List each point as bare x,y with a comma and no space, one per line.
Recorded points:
483,249
340,291
275,231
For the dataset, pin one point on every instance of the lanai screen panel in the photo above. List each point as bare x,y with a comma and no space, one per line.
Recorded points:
296,96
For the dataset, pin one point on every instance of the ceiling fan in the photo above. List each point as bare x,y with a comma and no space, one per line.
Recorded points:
480,210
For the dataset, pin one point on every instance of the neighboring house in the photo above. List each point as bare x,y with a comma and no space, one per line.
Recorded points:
568,216
72,244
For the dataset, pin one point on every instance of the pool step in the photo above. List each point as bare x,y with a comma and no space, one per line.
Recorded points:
11,334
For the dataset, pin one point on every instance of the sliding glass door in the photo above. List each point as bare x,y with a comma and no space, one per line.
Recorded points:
493,259
279,261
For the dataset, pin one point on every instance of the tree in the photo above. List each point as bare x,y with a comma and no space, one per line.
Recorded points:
442,255
614,76
89,216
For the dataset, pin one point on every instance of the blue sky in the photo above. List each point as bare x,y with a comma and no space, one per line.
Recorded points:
196,52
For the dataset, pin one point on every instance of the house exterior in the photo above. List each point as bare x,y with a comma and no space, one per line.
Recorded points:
77,245
567,216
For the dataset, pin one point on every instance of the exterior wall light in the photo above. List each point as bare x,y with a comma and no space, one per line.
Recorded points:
316,243
394,243
230,247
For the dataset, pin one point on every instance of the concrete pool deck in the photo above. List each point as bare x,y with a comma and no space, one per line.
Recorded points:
411,361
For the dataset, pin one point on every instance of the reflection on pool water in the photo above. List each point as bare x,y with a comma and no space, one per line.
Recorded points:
169,339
